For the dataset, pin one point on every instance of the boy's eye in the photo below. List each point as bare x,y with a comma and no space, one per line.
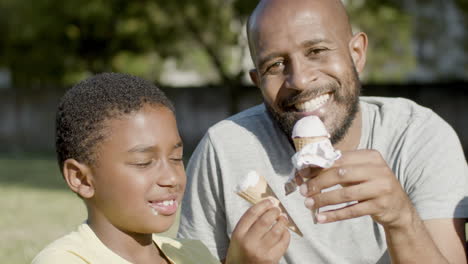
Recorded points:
177,159
143,164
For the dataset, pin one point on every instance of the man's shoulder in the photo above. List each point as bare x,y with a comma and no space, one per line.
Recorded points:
393,123
396,106
396,111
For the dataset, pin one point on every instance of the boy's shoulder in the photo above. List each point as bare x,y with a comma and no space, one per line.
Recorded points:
63,250
181,250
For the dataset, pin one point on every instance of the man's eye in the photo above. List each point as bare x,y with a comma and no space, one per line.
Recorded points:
275,67
316,51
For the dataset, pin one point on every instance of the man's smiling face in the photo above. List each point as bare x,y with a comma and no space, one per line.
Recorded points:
303,64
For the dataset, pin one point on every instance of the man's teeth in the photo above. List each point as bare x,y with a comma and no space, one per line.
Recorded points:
313,104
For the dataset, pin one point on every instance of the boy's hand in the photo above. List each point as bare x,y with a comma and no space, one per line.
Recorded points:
260,236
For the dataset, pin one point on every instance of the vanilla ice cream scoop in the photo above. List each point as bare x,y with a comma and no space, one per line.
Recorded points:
313,147
309,126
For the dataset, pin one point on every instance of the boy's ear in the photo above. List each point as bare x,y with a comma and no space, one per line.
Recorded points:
78,177
358,50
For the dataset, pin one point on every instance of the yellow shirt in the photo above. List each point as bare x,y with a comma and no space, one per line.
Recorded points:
83,246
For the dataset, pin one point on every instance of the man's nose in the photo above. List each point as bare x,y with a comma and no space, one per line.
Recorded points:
300,76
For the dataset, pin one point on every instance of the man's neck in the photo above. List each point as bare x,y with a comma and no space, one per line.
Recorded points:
353,137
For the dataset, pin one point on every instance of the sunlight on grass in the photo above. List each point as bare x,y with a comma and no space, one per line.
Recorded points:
37,208
32,218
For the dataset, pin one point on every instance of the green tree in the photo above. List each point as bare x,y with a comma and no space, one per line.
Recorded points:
50,43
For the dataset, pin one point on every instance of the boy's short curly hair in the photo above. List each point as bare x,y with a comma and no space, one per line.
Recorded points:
82,111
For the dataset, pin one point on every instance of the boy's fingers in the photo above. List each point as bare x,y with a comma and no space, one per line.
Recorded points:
264,223
251,215
273,236
279,249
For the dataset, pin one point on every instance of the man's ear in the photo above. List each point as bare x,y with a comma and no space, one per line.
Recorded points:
358,50
78,177
253,73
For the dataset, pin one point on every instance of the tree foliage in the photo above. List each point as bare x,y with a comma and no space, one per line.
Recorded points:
52,43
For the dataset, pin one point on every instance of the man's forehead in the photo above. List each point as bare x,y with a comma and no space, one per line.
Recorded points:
291,30
281,19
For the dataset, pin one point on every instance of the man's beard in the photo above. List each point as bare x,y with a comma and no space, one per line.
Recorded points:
287,118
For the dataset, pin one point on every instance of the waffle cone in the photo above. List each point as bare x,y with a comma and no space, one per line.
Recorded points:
261,191
300,142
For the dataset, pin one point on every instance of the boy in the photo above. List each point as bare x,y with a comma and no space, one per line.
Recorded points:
119,149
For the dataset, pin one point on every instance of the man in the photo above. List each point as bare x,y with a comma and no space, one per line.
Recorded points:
401,162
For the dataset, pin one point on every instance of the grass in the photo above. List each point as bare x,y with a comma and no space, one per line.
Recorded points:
37,208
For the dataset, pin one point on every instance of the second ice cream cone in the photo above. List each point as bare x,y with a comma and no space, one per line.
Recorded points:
255,189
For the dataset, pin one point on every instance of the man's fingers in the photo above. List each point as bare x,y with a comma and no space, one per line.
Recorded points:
349,212
346,176
363,156
360,192
252,214
309,172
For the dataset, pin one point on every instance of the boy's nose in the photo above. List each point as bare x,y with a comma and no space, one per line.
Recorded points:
168,176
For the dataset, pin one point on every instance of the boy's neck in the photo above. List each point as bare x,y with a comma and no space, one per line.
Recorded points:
136,248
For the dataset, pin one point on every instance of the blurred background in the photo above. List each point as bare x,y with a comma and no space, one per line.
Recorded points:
197,52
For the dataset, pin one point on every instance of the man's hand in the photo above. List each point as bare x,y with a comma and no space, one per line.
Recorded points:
260,236
366,178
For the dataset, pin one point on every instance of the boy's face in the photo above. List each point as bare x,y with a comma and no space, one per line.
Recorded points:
139,177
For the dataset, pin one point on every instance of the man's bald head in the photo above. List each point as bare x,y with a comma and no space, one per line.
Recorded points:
270,12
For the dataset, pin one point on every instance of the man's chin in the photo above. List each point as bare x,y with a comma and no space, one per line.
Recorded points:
285,120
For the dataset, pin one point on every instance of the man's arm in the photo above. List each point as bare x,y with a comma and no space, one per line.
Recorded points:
431,241
449,236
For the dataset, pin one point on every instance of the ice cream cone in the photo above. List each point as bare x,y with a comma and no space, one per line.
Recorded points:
300,142
256,190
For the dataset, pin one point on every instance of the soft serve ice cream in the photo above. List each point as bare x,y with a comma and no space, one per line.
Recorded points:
313,146
313,149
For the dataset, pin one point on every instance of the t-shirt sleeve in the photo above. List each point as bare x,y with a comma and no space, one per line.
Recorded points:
202,214
185,251
57,257
436,172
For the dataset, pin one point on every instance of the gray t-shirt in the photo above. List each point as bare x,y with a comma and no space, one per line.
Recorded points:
422,150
